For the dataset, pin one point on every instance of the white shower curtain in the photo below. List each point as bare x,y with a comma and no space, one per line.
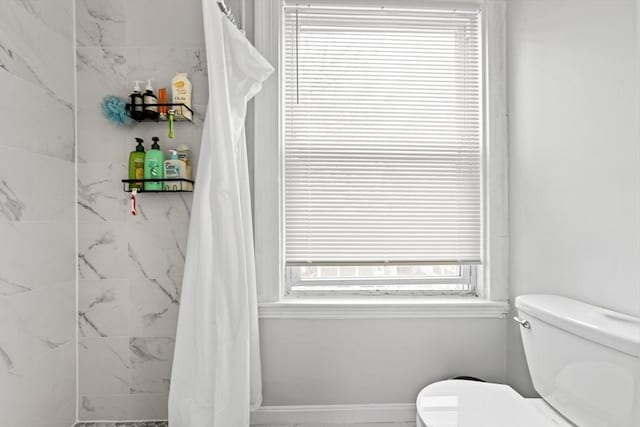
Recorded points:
216,368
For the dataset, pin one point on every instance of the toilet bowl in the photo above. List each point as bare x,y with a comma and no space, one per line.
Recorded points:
457,403
584,362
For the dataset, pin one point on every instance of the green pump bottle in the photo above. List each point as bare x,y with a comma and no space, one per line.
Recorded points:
136,165
154,167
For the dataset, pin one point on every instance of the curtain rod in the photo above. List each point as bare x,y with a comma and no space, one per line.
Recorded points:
223,7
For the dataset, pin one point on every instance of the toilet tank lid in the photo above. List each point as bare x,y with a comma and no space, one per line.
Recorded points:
606,327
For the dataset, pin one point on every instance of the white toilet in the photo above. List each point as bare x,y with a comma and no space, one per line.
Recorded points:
584,362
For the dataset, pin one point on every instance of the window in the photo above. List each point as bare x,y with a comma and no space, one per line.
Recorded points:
382,148
390,149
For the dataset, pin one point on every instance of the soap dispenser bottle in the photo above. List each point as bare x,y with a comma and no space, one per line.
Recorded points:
136,102
154,166
150,102
175,169
136,165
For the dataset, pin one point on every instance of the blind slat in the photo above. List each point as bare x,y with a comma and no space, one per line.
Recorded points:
382,134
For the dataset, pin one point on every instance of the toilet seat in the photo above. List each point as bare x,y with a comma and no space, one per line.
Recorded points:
459,403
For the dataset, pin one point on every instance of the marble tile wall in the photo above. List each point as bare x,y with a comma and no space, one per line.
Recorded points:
130,268
37,214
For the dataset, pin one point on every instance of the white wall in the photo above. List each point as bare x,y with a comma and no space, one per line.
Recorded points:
575,156
315,362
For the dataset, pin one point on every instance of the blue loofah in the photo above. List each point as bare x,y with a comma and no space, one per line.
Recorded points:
114,109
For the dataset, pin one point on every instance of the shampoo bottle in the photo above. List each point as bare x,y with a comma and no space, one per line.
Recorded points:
184,154
136,102
136,165
150,102
181,92
154,166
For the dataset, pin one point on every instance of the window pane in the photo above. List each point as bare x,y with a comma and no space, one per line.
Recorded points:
382,137
382,271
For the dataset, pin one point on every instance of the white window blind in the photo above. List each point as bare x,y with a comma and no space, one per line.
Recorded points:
382,134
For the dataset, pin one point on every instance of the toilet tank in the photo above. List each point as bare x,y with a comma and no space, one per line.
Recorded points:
583,360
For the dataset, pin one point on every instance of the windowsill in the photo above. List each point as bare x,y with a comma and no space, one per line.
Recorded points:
388,308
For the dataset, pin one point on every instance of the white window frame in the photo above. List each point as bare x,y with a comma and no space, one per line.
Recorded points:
490,298
378,287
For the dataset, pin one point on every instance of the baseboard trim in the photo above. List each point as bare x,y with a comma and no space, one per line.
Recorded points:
334,414
320,414
122,423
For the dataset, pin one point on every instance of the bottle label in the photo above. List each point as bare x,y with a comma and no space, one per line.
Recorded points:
154,170
172,171
182,155
150,102
179,92
137,102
